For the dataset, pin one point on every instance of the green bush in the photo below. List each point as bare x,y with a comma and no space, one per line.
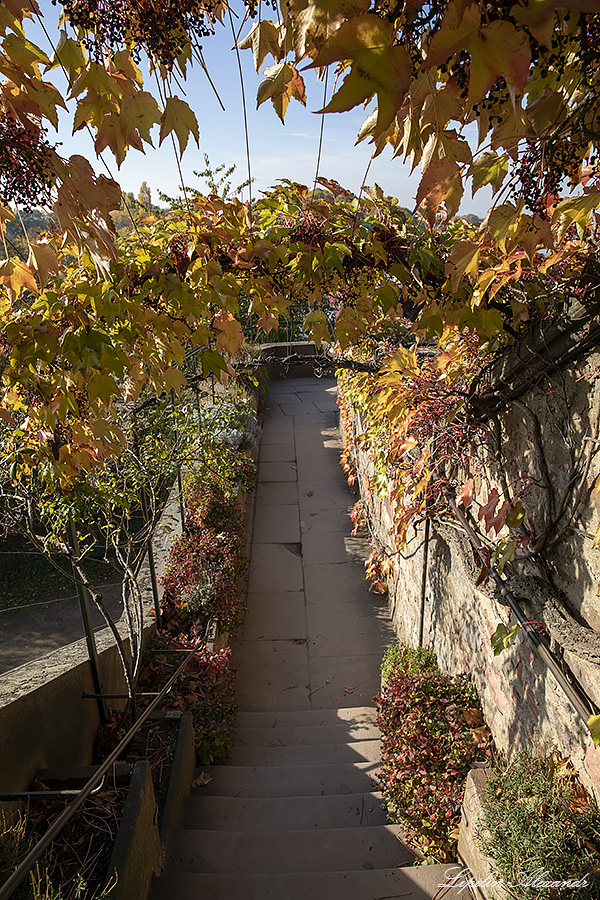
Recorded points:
539,825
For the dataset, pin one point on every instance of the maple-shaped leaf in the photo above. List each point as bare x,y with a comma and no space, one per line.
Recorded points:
488,168
538,15
441,183
180,118
110,134
576,210
282,82
264,38
70,54
378,67
140,112
465,498
44,260
463,260
486,510
316,324
498,222
229,330
458,24
16,276
497,49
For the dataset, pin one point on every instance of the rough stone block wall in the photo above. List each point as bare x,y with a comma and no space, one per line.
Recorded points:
522,702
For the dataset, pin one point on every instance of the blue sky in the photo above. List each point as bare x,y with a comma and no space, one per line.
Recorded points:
276,150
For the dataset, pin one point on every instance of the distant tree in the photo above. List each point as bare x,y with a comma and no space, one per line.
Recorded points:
145,196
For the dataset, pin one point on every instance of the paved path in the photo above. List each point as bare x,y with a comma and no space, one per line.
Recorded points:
297,813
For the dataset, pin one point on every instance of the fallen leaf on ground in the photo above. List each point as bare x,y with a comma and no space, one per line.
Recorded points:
202,780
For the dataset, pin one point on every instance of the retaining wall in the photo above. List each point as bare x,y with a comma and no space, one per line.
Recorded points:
522,701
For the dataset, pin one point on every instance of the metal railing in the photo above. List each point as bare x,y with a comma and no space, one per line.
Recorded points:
65,817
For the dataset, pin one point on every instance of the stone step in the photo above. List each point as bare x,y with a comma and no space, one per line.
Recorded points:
305,735
321,754
284,813
410,883
264,853
287,781
358,715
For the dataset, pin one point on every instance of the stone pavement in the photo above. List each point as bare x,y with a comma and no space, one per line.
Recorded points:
297,812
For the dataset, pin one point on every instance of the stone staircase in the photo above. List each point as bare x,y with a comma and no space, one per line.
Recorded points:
297,814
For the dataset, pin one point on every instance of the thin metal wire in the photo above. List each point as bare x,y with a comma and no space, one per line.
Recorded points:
321,133
239,62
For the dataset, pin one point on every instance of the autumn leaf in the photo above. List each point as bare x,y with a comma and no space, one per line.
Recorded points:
264,38
463,260
594,726
452,35
465,498
500,219
229,330
141,112
538,15
441,183
486,511
488,168
180,118
102,387
497,49
377,67
17,277
282,82
44,260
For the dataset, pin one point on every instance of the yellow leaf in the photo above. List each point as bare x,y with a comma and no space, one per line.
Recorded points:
594,726
263,38
497,49
141,112
282,82
378,67
498,222
16,276
229,335
463,260
44,260
488,168
180,118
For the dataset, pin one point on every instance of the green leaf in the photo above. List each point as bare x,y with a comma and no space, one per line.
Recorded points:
489,168
212,362
102,387
594,726
515,515
502,637
180,118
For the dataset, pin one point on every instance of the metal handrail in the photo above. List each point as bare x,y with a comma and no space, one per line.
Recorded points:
37,852
579,700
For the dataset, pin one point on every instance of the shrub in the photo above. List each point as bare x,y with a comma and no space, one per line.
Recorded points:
432,733
539,825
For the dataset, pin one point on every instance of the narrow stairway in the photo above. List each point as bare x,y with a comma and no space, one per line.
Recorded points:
297,814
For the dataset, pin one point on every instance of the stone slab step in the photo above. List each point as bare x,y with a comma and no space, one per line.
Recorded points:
262,853
285,813
287,781
321,754
358,715
410,883
306,735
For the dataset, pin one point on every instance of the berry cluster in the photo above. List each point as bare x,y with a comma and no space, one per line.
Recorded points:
26,171
543,169
161,29
308,229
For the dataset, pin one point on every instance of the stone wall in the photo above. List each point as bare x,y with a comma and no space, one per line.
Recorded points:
547,442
